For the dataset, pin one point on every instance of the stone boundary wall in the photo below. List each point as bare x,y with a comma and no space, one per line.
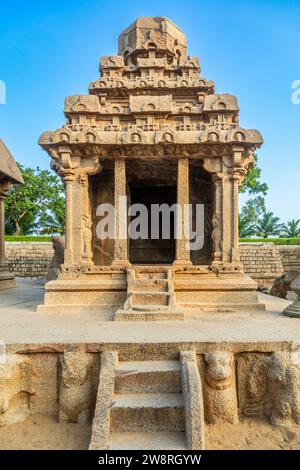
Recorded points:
290,255
29,259
262,261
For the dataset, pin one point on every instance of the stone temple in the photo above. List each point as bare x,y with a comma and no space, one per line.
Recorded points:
153,131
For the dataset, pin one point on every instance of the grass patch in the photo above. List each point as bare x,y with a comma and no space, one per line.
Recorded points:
26,238
276,241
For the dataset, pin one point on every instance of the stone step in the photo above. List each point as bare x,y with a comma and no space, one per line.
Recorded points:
150,298
147,440
158,314
151,273
157,285
148,377
147,412
150,308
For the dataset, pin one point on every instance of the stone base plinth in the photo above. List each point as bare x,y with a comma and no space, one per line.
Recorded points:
7,280
152,315
293,310
195,289
83,294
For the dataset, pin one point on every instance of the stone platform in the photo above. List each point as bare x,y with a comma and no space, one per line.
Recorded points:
141,383
21,325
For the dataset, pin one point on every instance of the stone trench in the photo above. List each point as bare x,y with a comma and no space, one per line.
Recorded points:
120,399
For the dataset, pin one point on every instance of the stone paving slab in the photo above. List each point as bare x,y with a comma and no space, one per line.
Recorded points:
22,329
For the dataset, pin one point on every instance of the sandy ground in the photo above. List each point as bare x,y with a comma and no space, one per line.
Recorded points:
252,435
42,432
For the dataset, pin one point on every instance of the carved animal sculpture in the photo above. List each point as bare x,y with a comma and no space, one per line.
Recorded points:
58,257
282,284
284,389
219,388
76,388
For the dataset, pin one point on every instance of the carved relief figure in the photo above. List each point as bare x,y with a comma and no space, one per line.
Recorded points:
219,388
284,389
216,236
76,388
86,236
58,244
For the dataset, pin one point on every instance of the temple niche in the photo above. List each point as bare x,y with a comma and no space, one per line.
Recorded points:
151,131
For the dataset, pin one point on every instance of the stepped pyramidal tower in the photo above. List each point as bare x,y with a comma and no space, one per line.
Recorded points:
151,131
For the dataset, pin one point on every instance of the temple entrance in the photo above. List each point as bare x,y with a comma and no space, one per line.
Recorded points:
153,251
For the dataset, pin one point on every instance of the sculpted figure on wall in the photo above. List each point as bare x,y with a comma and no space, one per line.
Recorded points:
284,389
77,388
216,236
269,385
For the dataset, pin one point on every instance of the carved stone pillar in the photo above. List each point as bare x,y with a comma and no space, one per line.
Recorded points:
236,176
120,201
182,219
68,179
217,220
235,252
86,236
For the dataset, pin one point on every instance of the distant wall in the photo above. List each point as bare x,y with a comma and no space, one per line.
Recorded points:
262,261
29,259
290,255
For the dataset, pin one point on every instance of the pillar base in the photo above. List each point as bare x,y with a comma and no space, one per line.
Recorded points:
121,263
181,262
7,280
293,310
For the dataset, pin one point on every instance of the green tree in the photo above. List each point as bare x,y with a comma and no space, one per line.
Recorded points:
291,229
31,207
268,225
254,208
252,183
249,216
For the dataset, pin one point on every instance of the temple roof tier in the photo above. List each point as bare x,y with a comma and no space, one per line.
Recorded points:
8,167
151,93
86,135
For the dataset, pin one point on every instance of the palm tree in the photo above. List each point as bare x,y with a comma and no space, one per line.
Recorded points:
268,225
246,227
291,229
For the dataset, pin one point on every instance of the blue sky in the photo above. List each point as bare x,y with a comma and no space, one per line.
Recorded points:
49,50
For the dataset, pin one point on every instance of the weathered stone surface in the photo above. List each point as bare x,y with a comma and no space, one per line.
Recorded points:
58,244
269,385
15,388
294,309
194,402
78,385
252,383
101,422
282,285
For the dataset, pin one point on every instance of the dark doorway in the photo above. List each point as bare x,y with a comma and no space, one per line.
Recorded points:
153,251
